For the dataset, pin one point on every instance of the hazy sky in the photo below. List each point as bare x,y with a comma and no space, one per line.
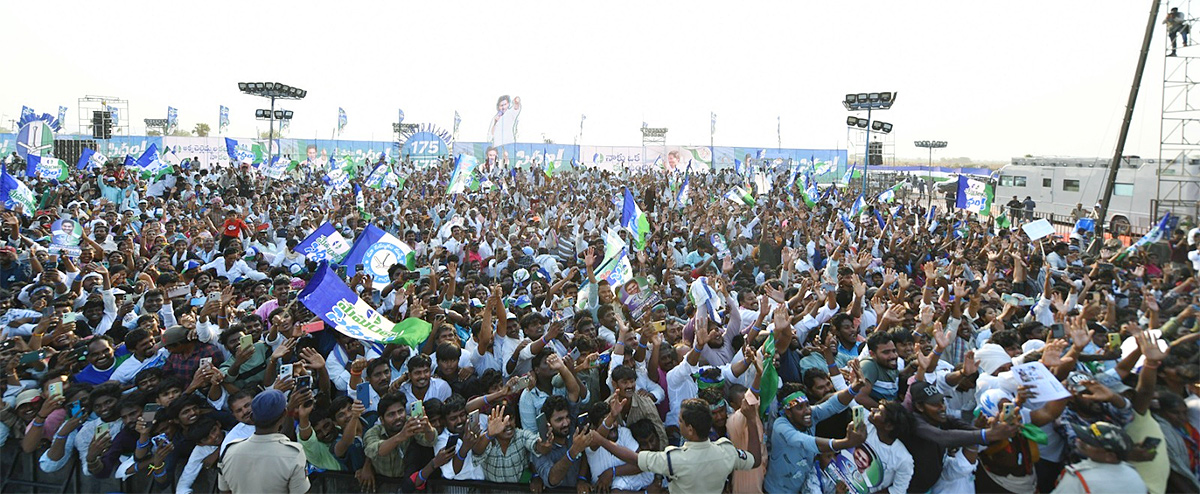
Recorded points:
995,79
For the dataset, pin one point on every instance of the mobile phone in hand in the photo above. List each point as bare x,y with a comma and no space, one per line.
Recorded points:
149,412
54,388
304,381
363,392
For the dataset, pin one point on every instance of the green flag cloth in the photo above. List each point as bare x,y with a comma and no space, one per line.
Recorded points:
412,332
770,378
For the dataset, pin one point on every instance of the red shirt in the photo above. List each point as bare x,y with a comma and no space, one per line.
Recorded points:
233,228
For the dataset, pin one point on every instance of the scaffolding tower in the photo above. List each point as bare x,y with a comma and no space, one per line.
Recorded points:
1178,188
884,144
88,104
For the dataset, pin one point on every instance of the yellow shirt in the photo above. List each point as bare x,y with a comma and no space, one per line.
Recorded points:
1154,472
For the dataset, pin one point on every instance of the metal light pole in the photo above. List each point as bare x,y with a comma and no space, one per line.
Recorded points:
868,102
272,91
930,145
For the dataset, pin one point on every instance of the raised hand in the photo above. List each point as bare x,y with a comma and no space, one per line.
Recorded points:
1149,345
1080,335
942,337
1052,353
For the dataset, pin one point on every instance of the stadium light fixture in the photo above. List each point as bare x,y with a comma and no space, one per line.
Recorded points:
930,145
272,91
868,101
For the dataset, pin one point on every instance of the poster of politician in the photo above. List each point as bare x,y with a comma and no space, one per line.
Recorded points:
503,127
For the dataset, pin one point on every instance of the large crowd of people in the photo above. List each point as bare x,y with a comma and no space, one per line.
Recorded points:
775,344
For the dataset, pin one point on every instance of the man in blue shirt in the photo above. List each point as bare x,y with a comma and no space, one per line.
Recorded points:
793,440
102,360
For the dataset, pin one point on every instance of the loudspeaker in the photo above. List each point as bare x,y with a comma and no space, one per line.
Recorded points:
875,153
70,150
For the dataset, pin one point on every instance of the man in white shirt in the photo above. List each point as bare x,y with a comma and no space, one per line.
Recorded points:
144,354
228,266
422,385
459,468
208,436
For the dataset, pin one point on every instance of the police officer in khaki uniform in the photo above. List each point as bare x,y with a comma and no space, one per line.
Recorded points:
267,462
700,466
1106,447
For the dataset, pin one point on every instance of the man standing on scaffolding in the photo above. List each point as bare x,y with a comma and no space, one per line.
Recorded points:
1176,24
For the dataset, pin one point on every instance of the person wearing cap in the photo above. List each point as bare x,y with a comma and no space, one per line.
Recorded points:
1105,447
267,462
700,465
935,432
1090,402
186,353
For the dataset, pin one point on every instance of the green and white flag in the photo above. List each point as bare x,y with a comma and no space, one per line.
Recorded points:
156,170
889,196
14,192
278,169
740,195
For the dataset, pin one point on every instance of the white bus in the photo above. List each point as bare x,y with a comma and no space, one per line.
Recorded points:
1058,185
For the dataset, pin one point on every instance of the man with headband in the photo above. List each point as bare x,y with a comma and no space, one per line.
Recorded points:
793,440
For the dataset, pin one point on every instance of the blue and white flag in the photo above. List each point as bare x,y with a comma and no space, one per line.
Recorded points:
974,195
1155,234
324,244
116,116
464,167
172,119
859,206
847,223
237,155
846,177
277,169
62,114
91,158
359,201
336,179
683,198
331,300
703,296
341,120
223,122
148,156
27,112
457,120
46,168
15,193
377,251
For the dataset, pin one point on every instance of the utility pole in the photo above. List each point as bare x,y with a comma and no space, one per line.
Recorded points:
1116,161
